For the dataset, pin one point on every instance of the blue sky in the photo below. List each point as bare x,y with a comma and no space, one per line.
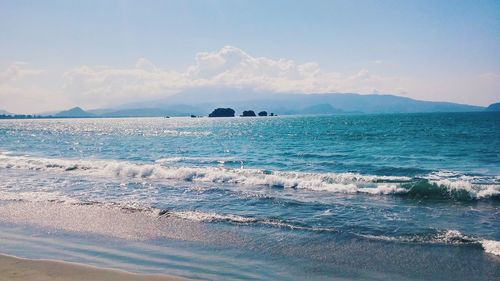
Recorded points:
56,54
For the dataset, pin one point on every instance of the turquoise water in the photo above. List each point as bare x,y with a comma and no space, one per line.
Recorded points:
321,194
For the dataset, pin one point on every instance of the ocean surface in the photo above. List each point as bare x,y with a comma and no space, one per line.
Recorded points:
347,197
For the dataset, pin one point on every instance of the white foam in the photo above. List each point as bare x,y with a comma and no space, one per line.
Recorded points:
37,196
203,160
444,237
211,217
331,182
215,217
491,247
475,191
452,237
384,189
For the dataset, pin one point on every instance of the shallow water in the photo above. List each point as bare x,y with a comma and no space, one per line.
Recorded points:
321,194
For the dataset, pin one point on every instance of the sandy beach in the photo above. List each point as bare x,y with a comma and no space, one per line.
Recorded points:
13,268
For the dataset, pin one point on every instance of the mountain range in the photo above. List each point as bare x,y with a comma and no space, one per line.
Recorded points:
203,101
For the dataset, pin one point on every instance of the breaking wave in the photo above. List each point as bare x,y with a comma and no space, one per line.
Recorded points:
443,237
491,247
131,207
236,219
434,186
453,237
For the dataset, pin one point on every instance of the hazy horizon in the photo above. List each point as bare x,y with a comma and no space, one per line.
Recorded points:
56,55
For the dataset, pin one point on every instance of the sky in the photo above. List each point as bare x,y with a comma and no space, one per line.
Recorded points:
96,54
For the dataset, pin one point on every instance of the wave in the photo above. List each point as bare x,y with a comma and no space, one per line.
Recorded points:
236,219
453,237
37,196
433,186
443,237
459,190
200,160
491,247
132,207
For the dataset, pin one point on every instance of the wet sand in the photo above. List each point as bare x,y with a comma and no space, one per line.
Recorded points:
13,269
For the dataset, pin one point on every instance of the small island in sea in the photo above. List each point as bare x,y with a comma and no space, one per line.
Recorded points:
222,112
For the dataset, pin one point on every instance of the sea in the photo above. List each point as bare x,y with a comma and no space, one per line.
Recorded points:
331,197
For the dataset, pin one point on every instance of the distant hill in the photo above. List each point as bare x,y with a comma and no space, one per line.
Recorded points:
142,112
290,103
494,107
202,101
172,110
323,108
4,112
74,112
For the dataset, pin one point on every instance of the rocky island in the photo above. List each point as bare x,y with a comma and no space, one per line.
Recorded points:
248,113
222,112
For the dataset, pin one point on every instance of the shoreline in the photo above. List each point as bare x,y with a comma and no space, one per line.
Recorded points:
15,268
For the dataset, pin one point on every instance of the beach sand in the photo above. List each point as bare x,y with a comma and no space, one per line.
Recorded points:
13,268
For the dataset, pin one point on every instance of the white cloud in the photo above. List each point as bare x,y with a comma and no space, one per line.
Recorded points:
229,66
27,89
24,89
102,86
18,70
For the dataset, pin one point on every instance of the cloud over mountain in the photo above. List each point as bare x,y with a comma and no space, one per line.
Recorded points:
228,67
95,86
